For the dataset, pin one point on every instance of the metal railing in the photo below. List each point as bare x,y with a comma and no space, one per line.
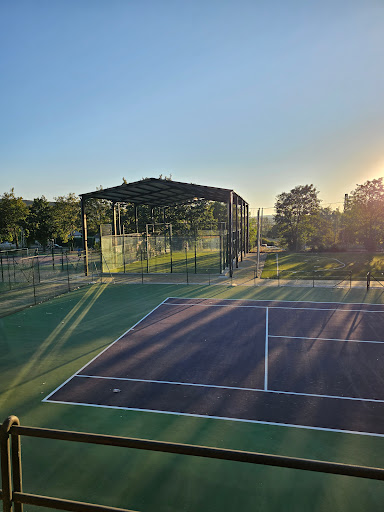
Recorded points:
12,494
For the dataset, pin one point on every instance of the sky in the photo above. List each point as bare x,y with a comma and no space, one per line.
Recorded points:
257,96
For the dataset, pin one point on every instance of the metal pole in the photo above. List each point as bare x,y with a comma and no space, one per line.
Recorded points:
368,280
241,230
186,263
247,243
85,235
69,286
237,230
147,246
258,243
230,230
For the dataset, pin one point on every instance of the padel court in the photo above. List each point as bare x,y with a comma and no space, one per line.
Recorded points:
300,364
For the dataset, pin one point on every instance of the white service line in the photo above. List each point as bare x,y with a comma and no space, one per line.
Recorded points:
273,307
324,339
102,352
281,300
266,352
275,424
215,386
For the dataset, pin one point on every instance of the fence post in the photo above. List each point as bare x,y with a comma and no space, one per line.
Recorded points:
38,268
186,263
350,279
313,279
368,280
2,271
6,478
33,282
53,258
69,286
142,271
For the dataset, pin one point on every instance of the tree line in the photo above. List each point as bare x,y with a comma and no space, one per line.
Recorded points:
302,223
44,221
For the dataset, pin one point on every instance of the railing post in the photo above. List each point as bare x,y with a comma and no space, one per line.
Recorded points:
6,478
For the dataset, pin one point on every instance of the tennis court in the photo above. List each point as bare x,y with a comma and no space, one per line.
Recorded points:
302,364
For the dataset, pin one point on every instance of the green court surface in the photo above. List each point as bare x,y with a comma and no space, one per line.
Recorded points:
334,265
44,345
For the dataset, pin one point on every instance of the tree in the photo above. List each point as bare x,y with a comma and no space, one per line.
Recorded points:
364,216
13,212
99,211
293,212
66,214
322,229
39,222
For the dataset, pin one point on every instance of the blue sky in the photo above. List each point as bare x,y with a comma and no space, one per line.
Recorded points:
258,96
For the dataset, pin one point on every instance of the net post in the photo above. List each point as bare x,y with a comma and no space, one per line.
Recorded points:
368,280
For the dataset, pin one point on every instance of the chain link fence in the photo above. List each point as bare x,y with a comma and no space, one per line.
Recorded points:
26,280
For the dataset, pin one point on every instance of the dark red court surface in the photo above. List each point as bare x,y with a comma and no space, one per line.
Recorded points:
303,364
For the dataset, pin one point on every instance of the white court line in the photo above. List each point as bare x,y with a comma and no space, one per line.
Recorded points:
266,352
102,352
215,386
373,434
282,300
272,307
324,339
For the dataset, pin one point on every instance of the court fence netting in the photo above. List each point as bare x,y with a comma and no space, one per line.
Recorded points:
26,279
12,494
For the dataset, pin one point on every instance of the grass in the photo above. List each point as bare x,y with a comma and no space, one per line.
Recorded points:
44,345
324,265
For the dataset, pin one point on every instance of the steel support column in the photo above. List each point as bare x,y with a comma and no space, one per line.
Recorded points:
230,233
241,230
85,234
247,244
237,231
114,221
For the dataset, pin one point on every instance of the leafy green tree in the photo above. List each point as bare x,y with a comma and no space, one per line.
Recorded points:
364,216
13,212
99,211
66,215
321,234
39,223
293,212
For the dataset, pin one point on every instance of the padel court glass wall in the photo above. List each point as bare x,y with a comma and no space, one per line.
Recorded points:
146,253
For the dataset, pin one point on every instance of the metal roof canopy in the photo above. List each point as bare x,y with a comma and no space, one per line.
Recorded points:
159,192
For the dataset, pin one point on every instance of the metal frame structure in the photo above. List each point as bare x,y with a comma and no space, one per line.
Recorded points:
12,493
158,192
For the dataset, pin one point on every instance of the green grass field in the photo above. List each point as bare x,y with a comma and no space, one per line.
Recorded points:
44,345
324,265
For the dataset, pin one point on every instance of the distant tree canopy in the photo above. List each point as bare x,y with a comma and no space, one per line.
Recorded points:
44,221
13,212
295,211
364,215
